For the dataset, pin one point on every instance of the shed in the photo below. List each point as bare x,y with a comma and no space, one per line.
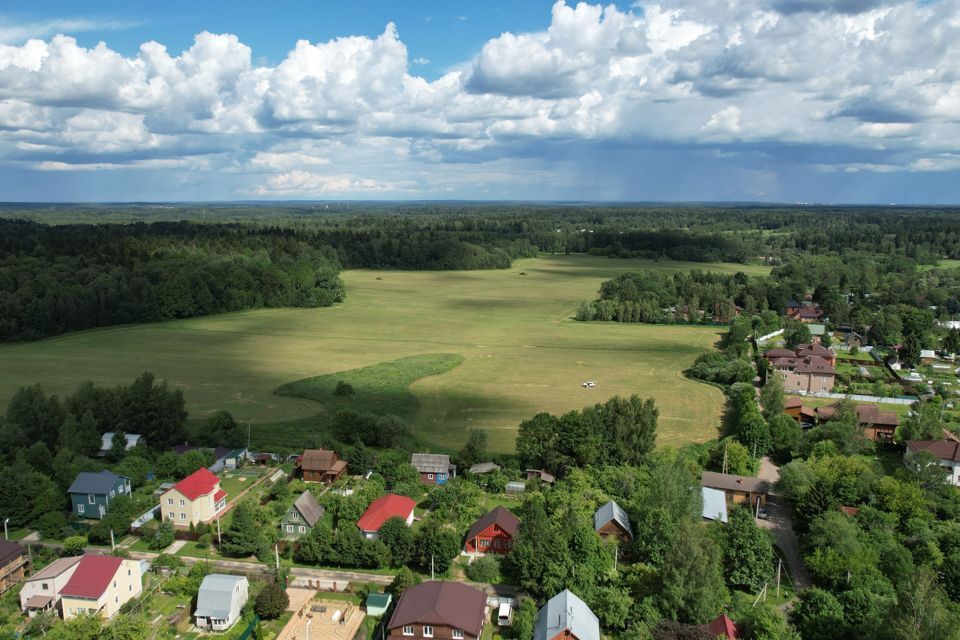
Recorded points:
378,603
516,486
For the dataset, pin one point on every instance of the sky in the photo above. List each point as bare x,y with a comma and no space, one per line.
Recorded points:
815,101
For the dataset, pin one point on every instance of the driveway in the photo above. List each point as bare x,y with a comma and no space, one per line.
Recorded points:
780,524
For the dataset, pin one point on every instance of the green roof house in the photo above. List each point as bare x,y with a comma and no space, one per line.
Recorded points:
378,603
302,515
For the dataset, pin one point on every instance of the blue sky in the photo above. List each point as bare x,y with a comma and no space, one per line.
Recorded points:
760,100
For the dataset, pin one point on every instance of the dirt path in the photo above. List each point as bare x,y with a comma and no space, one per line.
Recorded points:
780,524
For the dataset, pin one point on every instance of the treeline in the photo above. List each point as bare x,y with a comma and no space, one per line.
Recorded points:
67,278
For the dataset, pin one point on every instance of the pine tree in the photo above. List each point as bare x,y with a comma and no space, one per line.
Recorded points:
243,536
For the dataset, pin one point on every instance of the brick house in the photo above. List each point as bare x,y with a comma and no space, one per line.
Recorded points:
321,465
803,370
439,610
195,499
493,532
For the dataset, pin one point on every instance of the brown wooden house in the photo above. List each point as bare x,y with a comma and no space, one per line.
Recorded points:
13,562
738,489
439,610
321,465
493,532
612,523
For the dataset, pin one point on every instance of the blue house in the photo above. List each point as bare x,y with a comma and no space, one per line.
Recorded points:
91,493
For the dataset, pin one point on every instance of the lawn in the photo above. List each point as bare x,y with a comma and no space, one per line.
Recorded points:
521,353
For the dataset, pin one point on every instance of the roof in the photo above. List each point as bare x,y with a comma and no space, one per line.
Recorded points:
928,353
730,482
714,504
98,483
106,443
215,598
449,604
499,516
384,508
199,483
612,512
318,459
565,611
545,476
308,507
815,349
792,402
92,577
38,601
484,467
55,568
866,414
9,551
431,462
815,364
942,449
723,627
378,599
779,353
817,329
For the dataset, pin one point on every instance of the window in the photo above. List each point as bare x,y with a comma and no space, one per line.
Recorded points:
114,584
295,515
80,508
170,516
130,587
182,502
427,631
457,634
91,499
303,529
112,493
45,586
128,572
183,516
170,501
408,631
289,528
429,476
484,542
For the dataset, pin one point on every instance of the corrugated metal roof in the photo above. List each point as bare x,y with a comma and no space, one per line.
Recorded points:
55,568
431,462
450,604
612,512
97,483
308,507
566,611
714,504
215,597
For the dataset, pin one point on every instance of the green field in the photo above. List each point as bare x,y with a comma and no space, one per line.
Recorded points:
521,353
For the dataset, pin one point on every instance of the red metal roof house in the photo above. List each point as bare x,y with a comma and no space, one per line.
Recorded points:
381,510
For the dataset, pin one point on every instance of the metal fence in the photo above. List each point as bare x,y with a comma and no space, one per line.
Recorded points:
901,400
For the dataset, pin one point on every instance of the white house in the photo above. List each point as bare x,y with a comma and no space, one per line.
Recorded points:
220,601
133,440
946,451
41,591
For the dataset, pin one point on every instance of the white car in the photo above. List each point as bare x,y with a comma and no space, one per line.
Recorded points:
589,383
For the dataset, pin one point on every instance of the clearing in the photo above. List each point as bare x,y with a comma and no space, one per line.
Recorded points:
521,353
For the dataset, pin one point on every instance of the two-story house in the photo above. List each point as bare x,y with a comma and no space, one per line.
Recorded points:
439,610
611,522
100,584
91,493
493,532
302,515
568,617
13,562
41,591
195,499
945,451
803,371
321,465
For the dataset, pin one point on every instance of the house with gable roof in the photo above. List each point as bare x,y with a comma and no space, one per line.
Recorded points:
301,517
439,610
381,510
493,532
41,591
220,601
321,465
434,468
611,522
806,369
91,493
565,616
195,499
100,585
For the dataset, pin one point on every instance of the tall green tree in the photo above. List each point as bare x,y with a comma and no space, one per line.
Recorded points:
690,584
242,538
747,552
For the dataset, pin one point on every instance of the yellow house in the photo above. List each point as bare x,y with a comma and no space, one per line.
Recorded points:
100,584
195,499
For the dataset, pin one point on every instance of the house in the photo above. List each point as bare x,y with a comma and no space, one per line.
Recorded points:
877,425
493,532
235,458
321,465
220,601
737,489
796,409
612,523
541,475
714,504
434,468
854,339
381,510
195,499
106,442
807,369
13,562
817,331
945,450
91,493
448,610
484,467
723,628
41,591
100,584
302,515
378,603
566,616
806,312
928,356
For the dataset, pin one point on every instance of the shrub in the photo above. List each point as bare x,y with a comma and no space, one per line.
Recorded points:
163,538
73,546
343,389
486,569
271,602
205,541
51,525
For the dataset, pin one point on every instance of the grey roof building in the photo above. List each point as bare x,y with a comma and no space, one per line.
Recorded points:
484,467
612,514
434,468
566,615
220,601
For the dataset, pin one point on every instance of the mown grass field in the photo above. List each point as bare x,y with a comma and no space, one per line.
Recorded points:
521,353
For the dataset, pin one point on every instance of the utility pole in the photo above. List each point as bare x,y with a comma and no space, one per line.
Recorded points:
725,445
113,547
431,566
6,535
779,566
219,537
276,555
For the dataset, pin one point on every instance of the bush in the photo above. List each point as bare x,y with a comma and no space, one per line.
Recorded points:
205,541
486,569
405,578
163,538
271,602
51,525
343,389
73,546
